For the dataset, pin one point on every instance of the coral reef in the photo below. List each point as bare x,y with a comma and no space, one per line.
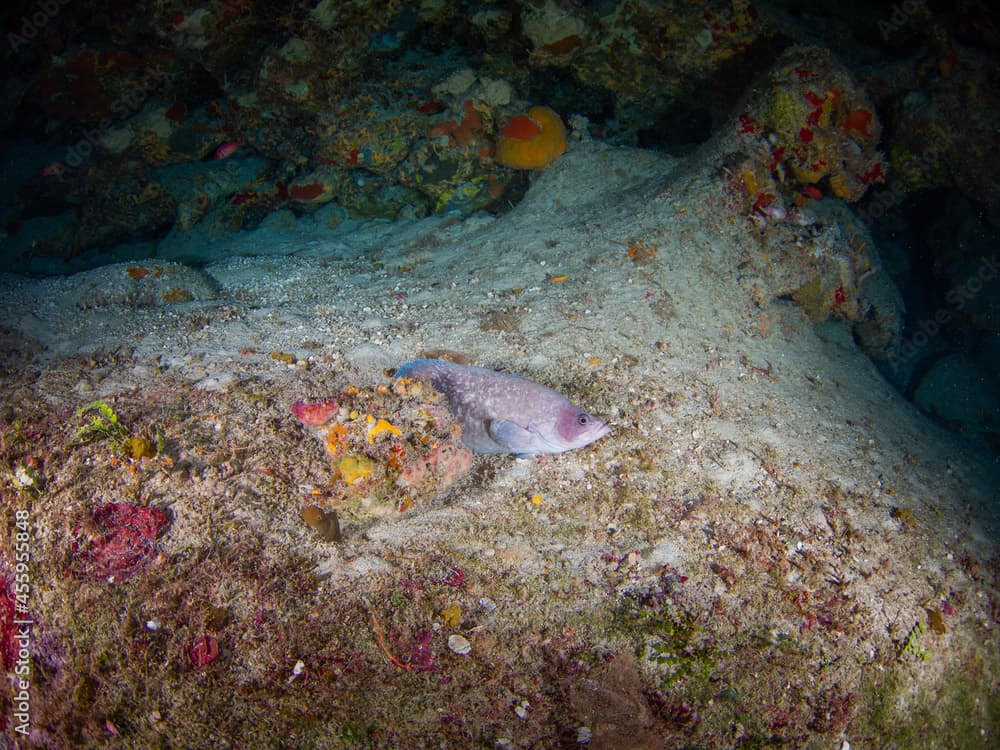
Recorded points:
758,540
384,467
807,135
342,118
772,551
811,129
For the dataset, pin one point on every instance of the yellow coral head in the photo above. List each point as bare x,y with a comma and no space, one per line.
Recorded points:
531,141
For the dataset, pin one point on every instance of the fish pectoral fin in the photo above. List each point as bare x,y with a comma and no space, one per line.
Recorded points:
512,436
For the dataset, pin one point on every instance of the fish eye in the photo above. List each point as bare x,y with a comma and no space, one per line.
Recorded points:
583,419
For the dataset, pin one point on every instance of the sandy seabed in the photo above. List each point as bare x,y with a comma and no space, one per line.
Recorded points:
772,548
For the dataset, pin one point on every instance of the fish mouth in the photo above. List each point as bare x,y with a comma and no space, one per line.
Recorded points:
597,434
582,440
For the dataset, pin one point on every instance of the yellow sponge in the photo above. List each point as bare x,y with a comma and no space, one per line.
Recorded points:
531,141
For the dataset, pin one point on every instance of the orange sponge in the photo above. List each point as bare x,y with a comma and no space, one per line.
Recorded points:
531,141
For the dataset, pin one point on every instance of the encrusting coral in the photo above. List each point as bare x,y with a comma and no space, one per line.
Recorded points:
817,129
381,466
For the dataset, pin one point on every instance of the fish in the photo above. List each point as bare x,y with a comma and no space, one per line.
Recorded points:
501,413
227,149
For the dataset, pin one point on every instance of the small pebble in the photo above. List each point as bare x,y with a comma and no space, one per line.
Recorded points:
459,644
